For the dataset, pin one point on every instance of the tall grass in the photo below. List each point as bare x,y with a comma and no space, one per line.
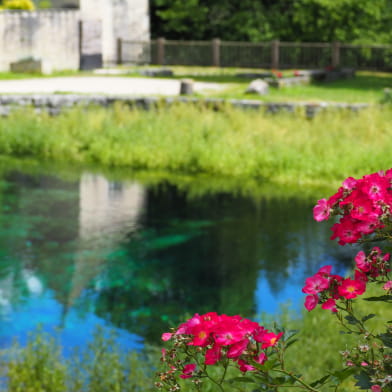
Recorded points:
102,366
285,148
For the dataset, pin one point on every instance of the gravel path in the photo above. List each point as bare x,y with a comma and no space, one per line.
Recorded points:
102,85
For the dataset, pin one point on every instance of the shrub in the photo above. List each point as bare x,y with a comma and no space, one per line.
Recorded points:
18,5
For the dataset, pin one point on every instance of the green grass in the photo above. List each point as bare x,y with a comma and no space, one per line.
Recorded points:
365,87
244,146
17,75
101,366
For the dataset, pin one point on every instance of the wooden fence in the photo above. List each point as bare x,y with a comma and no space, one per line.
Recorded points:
273,54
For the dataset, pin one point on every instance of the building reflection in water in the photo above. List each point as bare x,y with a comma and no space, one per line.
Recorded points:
90,251
108,213
52,249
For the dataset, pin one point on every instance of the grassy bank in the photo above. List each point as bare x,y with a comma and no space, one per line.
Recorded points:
284,149
29,75
366,86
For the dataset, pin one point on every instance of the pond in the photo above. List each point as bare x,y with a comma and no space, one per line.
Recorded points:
86,252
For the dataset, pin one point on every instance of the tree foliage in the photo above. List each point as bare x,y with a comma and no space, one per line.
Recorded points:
17,5
359,21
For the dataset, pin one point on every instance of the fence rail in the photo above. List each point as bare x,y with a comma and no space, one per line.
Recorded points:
273,54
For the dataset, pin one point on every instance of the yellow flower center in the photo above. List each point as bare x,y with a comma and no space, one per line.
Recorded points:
202,334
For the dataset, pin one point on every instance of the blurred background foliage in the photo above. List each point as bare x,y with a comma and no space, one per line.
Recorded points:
349,21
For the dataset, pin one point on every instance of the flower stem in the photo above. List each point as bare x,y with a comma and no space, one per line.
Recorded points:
219,384
303,383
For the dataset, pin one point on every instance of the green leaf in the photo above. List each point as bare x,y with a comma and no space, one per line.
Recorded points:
288,344
290,333
290,380
368,317
342,375
279,380
262,379
363,380
320,381
386,338
381,298
242,379
266,366
351,320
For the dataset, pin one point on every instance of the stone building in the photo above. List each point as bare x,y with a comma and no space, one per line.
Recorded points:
80,34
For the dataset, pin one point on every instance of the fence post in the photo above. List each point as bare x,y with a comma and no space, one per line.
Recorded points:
275,54
80,43
335,55
161,51
216,52
119,51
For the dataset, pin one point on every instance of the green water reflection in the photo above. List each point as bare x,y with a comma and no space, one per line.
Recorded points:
75,252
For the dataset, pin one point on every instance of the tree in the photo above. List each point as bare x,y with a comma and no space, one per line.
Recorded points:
18,5
357,21
262,20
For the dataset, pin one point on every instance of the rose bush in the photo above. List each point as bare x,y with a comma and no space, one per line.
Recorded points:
364,208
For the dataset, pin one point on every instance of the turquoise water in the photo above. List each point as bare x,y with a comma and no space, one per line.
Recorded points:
91,252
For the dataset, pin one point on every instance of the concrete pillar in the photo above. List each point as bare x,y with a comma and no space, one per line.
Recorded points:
119,51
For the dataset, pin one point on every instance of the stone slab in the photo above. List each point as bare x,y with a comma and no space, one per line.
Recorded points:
30,65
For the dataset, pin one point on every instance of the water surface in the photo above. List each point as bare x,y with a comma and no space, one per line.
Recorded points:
75,254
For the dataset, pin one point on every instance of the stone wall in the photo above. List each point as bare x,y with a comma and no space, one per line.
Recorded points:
54,35
56,103
126,19
50,35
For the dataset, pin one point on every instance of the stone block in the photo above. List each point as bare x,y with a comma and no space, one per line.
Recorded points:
257,86
347,73
156,72
31,65
315,75
288,82
254,75
325,75
186,87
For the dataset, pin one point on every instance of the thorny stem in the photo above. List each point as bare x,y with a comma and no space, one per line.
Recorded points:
361,324
224,374
349,310
219,384
194,357
307,386
280,354
339,317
